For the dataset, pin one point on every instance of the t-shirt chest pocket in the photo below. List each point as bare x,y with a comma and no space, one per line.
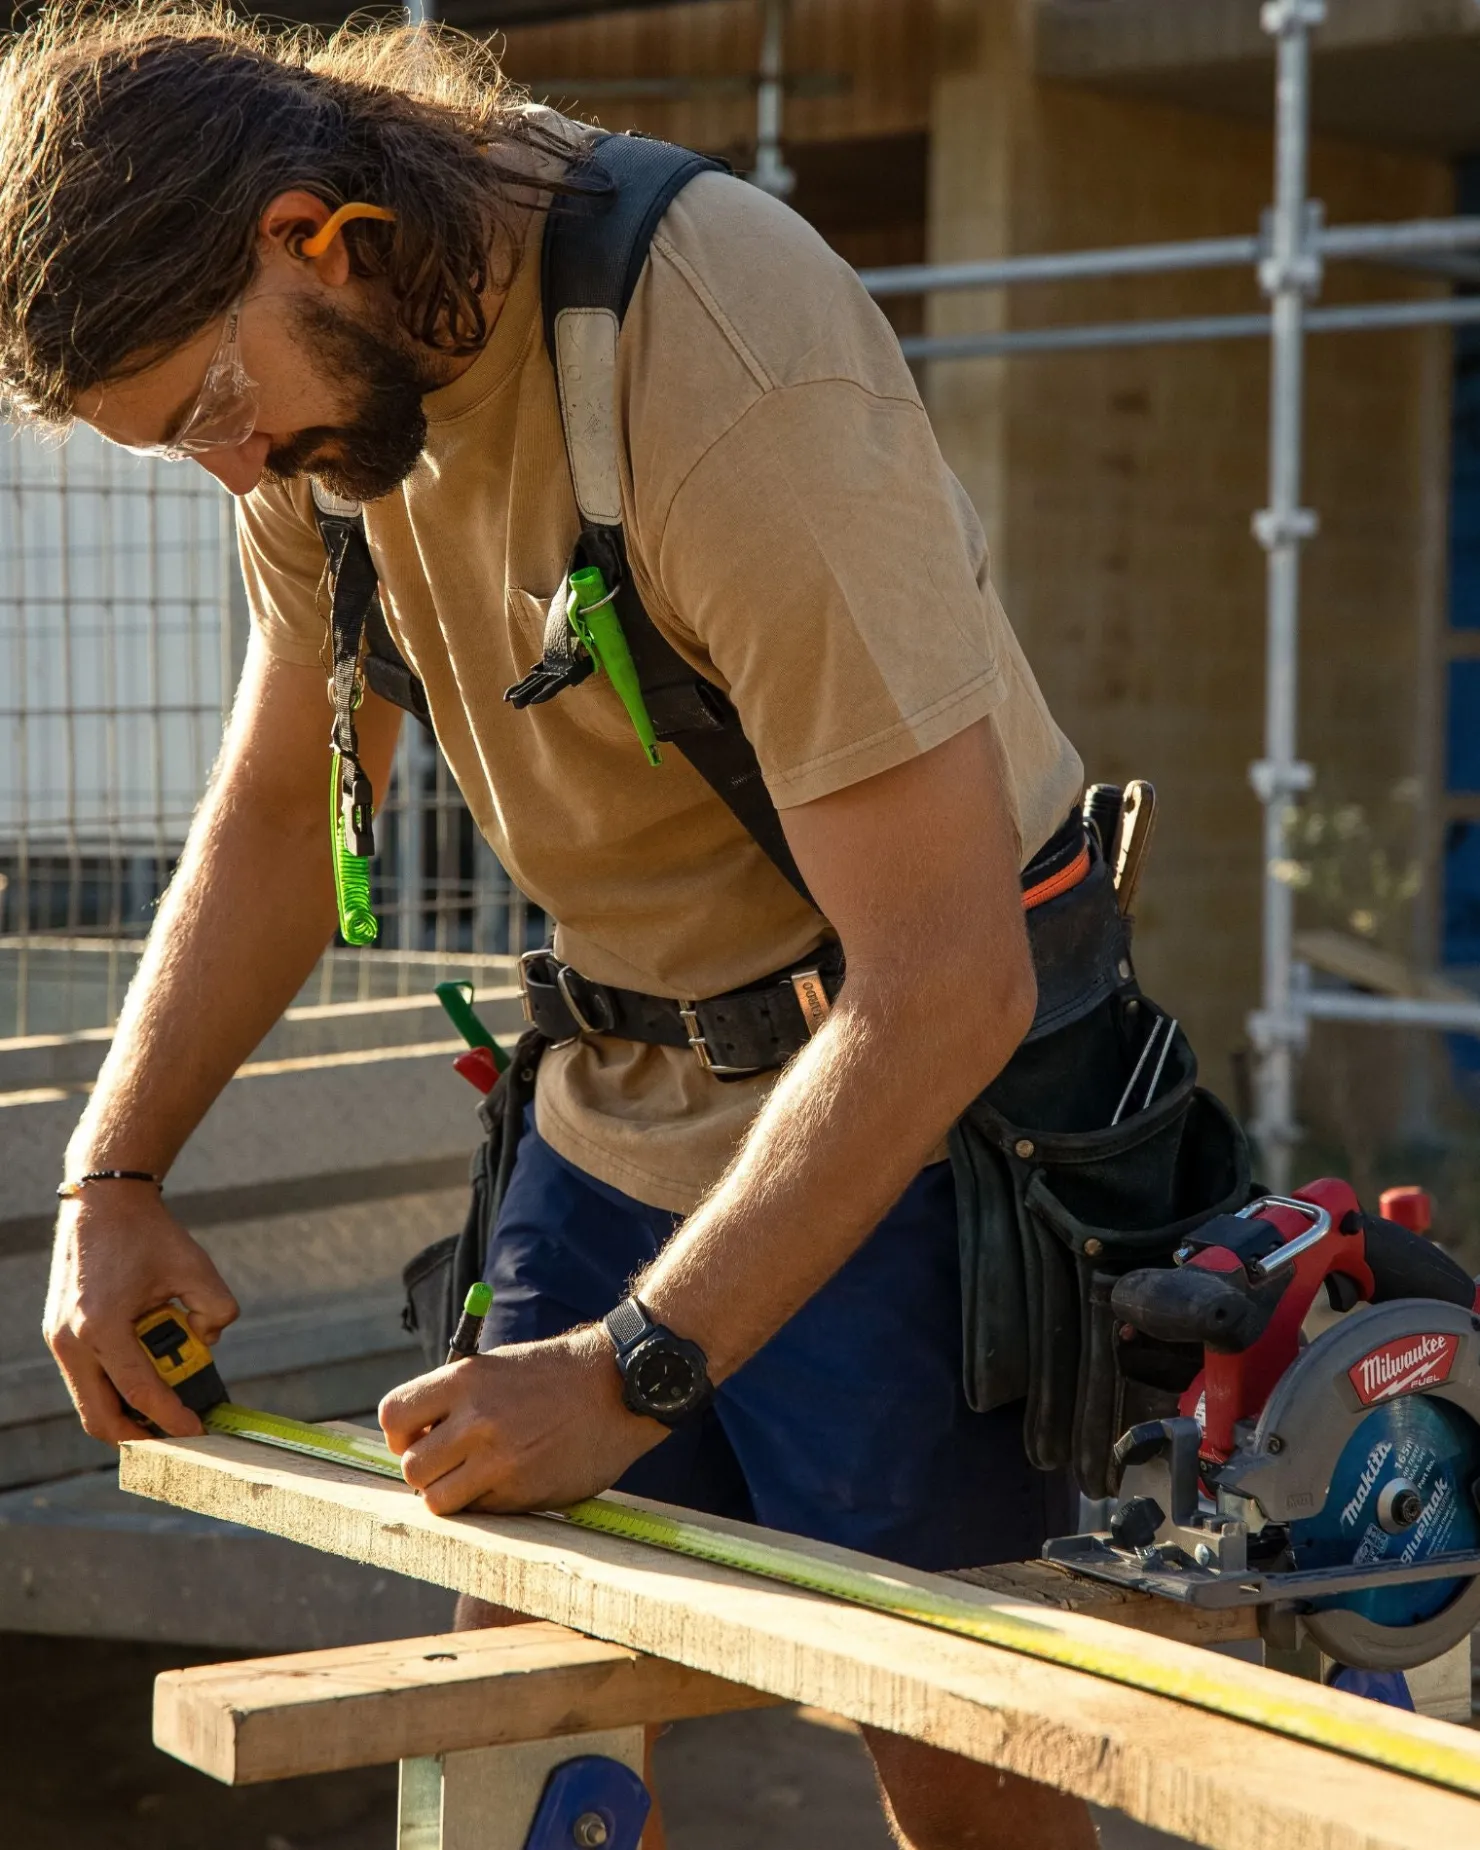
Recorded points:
592,707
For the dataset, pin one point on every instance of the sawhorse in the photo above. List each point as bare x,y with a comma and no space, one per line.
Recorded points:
524,1737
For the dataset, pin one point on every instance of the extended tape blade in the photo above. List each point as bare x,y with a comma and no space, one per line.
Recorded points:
1010,1628
339,1448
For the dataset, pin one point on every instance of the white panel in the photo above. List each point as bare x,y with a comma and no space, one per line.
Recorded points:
586,360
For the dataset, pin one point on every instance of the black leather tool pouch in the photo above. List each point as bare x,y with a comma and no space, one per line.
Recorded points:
437,1279
1055,1202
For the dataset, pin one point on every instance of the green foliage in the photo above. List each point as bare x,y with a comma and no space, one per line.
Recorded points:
1355,865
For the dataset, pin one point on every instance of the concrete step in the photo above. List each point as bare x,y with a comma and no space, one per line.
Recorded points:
82,1558
70,1060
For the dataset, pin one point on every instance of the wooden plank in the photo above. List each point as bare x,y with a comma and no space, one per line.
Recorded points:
1224,1784
1367,967
1045,1583
366,1705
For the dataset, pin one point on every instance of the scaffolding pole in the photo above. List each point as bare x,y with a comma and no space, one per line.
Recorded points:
1290,256
1391,240
1289,276
771,173
1346,318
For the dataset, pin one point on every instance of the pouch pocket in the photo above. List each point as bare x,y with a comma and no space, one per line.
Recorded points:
1193,1165
1084,1200
437,1279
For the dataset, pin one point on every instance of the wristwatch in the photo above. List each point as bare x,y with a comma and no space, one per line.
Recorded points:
664,1376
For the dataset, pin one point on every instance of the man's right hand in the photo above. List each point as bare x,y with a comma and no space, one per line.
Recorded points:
119,1253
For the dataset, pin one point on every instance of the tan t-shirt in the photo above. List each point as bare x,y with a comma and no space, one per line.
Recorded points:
795,533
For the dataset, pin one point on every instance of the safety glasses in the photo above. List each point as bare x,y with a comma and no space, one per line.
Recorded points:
225,410
224,414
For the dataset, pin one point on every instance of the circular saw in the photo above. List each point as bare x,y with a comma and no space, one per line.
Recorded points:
1334,1484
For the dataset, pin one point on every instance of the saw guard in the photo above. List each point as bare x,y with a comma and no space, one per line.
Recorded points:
1315,1407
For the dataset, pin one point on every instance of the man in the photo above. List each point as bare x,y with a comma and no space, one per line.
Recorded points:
173,272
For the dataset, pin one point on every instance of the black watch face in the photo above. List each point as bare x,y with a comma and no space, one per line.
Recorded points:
663,1378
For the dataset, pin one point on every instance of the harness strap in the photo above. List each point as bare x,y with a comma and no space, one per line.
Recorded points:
358,631
595,246
353,589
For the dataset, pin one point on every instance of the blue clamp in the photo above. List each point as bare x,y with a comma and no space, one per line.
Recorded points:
1389,1686
592,1803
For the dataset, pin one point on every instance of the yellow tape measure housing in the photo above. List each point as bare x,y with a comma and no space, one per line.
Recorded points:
181,1359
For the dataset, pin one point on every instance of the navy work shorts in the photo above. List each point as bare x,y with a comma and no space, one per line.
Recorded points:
849,1426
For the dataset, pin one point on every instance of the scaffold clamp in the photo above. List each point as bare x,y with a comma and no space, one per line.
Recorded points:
1272,781
1273,528
1278,17
1303,268
1270,1030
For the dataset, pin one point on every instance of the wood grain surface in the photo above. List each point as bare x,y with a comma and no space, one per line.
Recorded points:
1228,1785
363,1705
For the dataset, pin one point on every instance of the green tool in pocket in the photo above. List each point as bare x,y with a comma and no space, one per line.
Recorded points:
591,611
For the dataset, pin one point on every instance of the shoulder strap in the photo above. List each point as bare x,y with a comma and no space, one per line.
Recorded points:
595,246
355,611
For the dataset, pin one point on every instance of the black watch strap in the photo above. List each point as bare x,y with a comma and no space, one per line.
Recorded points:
627,1324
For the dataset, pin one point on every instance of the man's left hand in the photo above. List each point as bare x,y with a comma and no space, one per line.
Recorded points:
531,1426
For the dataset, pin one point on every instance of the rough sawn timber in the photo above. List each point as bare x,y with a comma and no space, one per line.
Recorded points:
368,1704
1046,1584
1224,1784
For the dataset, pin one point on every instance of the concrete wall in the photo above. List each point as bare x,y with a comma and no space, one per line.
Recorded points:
870,62
1117,488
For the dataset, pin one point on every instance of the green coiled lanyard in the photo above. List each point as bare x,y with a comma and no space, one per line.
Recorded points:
350,819
589,611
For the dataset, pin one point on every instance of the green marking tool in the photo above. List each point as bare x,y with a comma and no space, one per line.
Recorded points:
591,613
457,999
348,810
1373,1740
476,1307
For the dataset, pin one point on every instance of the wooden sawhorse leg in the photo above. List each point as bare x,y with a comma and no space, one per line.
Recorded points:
508,1798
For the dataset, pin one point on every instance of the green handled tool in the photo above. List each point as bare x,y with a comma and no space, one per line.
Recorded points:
591,613
457,998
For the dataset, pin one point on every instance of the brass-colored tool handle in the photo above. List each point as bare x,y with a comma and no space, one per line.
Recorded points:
1137,824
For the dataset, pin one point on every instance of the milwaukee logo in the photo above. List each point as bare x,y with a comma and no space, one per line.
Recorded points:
1403,1367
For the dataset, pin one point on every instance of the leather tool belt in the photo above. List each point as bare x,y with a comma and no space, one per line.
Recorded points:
1078,951
748,1030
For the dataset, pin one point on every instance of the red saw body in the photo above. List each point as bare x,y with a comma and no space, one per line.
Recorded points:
1354,1258
1334,1483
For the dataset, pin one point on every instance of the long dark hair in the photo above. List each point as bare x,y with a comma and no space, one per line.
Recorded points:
139,147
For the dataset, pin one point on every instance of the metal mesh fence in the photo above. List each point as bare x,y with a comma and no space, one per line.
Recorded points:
122,625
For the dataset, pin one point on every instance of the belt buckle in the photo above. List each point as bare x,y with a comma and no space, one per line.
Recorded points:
527,961
563,974
693,1027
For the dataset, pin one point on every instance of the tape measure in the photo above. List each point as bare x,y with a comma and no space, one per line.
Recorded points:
1008,1628
182,1359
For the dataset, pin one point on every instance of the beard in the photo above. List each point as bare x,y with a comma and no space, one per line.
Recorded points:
379,446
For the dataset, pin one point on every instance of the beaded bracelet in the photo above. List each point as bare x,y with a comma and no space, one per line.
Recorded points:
69,1191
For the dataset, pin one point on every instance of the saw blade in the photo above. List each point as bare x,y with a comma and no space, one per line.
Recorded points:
1403,1490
